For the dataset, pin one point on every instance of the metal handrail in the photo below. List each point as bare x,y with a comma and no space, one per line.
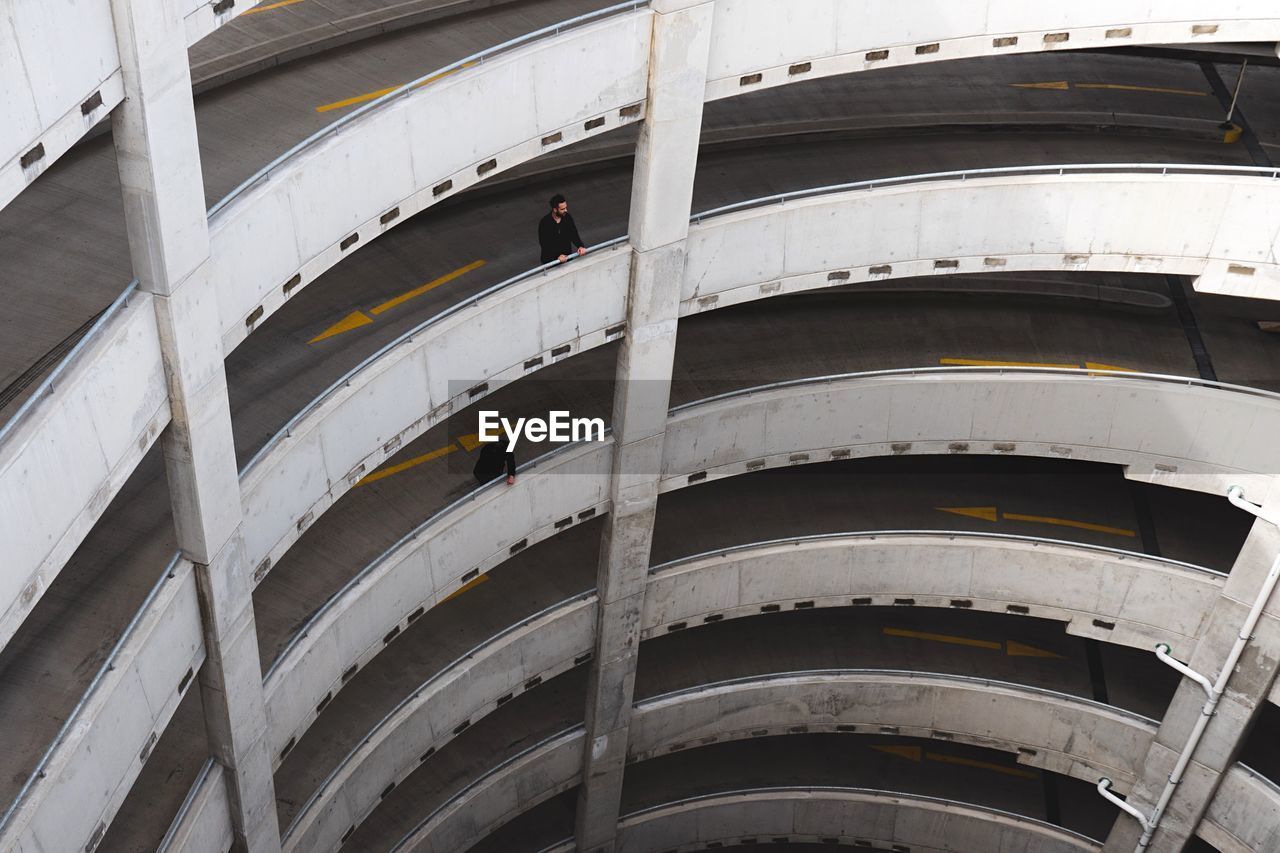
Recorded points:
547,742
965,174
909,674
953,534
398,92
879,793
108,665
47,386
978,370
346,378
875,792
470,497
426,685
188,803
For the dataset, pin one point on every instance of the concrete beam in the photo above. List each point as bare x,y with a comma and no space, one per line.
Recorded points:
159,164
661,195
1245,692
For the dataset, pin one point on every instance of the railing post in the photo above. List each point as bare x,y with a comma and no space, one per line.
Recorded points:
159,163
1197,740
661,196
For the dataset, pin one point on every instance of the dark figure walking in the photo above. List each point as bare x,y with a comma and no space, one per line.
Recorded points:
493,459
558,235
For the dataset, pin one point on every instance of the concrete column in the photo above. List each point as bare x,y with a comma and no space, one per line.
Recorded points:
1245,693
661,195
159,163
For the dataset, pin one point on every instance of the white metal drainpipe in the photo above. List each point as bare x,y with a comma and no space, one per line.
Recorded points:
1214,690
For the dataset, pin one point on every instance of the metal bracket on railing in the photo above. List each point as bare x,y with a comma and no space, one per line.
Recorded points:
1104,788
1235,494
1162,652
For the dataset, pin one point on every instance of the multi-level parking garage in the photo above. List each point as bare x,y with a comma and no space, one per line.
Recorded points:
937,346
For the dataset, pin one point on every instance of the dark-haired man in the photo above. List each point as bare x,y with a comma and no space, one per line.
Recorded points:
557,234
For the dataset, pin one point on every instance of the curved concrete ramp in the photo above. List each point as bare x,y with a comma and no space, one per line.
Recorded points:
663,723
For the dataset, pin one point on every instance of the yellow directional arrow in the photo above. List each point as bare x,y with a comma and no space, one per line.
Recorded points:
986,362
983,513
1052,84
911,753
990,513
1015,649
354,320
915,753
1097,365
1012,648
980,765
470,585
467,442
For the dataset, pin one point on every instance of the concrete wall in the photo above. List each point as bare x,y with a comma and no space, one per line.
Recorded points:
203,824
1145,600
66,454
1053,731
54,59
838,36
292,222
1140,597
1200,225
919,824
99,754
463,541
1090,739
540,647
1244,816
1167,431
407,391
533,776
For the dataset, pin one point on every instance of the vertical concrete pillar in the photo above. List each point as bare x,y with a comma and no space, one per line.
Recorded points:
1248,688
159,163
661,195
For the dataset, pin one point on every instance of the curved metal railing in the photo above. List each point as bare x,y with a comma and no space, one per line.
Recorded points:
420,689
546,743
1191,381
998,171
400,91
49,385
345,380
470,497
952,534
74,718
909,674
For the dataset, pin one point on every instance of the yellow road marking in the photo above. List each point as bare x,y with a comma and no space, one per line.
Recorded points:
1158,90
1063,85
468,442
985,513
1053,84
1067,522
469,585
990,513
1097,365
431,285
911,753
1015,649
982,362
411,463
981,765
267,8
369,96
354,320
942,638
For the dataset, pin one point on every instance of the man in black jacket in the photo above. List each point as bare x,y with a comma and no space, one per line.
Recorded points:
557,234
